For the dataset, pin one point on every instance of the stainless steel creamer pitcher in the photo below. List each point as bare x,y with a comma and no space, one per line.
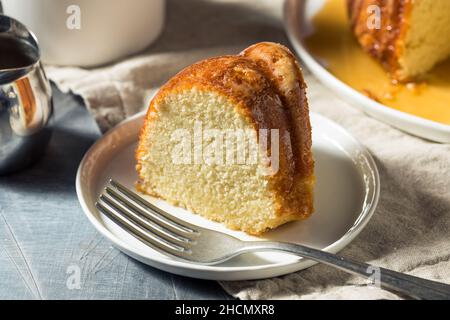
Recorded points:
25,98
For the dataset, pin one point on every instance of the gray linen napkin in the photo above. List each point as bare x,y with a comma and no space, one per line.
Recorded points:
410,230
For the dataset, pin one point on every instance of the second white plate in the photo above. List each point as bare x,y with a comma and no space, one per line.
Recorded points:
346,195
298,16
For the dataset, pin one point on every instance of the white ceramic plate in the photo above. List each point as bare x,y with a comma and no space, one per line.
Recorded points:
346,195
298,15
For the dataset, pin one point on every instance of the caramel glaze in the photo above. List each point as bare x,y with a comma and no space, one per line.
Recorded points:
284,72
333,43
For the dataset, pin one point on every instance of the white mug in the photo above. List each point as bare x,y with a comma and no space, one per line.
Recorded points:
89,33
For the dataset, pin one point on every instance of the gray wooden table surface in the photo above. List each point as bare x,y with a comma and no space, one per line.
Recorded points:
46,243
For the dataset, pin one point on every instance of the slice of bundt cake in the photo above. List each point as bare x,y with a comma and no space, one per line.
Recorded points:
229,138
408,36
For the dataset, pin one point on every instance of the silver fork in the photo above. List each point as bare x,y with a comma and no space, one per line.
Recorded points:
184,241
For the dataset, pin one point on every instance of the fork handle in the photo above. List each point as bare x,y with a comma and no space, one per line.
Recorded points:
411,286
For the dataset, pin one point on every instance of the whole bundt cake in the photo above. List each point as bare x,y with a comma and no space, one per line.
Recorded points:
229,138
409,37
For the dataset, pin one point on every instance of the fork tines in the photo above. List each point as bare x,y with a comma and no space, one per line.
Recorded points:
146,222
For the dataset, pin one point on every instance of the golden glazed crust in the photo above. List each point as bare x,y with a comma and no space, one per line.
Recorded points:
283,70
387,43
247,82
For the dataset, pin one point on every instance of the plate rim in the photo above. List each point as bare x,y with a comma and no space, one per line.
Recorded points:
421,127
220,272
